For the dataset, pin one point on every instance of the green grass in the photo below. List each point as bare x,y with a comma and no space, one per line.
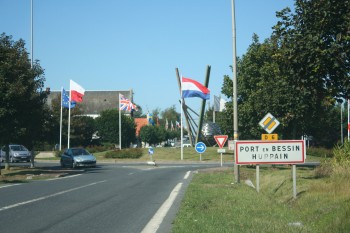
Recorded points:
212,203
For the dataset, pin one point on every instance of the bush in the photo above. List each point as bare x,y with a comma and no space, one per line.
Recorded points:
133,153
342,154
319,152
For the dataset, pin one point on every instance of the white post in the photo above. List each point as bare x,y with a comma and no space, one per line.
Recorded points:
120,128
61,119
70,99
221,158
348,118
258,178
294,181
181,144
31,33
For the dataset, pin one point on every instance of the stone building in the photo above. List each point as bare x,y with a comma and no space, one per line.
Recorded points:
94,102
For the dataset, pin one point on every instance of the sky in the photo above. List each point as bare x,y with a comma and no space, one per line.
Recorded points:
137,44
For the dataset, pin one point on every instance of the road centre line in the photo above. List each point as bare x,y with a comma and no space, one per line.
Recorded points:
153,225
48,196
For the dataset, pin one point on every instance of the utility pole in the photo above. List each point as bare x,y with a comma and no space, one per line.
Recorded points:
234,96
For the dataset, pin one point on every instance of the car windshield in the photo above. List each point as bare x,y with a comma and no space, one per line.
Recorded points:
79,151
18,148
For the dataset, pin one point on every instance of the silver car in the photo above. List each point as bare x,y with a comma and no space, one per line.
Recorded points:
17,153
77,157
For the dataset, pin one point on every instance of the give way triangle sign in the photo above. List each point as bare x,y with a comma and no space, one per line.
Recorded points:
220,140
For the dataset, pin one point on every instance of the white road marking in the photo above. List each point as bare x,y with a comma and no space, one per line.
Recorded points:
48,196
187,175
153,225
5,186
63,177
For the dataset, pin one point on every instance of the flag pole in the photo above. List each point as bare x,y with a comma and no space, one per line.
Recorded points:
70,99
181,144
61,119
348,119
120,127
31,32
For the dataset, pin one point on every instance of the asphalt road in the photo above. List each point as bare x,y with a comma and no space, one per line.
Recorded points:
109,198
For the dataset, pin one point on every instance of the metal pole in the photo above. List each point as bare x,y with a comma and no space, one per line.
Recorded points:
257,178
234,97
31,32
341,124
294,181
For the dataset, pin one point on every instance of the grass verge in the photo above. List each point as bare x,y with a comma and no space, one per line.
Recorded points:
213,204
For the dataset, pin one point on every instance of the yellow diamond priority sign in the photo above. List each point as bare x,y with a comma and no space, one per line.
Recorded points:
269,123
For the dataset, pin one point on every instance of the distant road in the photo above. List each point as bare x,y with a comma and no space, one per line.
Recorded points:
109,198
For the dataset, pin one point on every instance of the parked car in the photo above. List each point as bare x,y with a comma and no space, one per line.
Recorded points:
77,157
17,153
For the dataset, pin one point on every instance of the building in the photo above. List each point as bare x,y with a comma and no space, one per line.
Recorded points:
94,102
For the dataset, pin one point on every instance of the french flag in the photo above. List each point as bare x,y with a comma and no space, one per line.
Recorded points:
192,88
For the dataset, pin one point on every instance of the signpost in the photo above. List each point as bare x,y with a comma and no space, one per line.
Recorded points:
150,152
269,123
221,140
271,152
200,148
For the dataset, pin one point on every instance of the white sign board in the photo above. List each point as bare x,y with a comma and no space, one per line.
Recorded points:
270,152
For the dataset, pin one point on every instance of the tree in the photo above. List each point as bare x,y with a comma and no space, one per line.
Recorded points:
83,128
171,115
107,125
22,96
153,134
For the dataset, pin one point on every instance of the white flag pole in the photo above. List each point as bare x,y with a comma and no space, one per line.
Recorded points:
182,100
120,127
348,118
61,119
70,97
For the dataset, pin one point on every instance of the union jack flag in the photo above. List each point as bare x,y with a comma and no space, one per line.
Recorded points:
125,104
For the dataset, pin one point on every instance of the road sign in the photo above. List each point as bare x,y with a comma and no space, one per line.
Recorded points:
269,123
269,137
150,151
200,147
221,151
220,140
270,152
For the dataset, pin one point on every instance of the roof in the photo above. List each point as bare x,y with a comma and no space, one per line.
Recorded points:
140,122
94,102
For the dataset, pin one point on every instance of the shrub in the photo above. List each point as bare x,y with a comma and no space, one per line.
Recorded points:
319,152
342,154
133,153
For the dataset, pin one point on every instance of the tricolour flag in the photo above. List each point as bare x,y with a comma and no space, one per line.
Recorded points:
65,100
192,88
125,104
76,92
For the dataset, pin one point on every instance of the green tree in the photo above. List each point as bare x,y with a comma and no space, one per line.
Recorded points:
83,128
153,134
107,125
22,96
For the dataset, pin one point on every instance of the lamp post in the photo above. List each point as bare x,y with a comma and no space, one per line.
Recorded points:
234,96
